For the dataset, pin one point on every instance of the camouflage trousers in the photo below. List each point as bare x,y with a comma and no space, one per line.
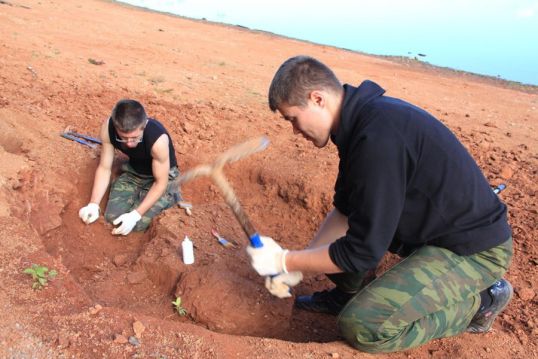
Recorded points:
433,293
130,188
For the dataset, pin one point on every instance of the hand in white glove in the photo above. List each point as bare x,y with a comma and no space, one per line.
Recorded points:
269,259
128,221
90,213
279,285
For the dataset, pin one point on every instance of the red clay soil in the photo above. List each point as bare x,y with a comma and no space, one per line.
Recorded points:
66,63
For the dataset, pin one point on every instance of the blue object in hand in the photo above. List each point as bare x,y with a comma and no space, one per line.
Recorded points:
255,240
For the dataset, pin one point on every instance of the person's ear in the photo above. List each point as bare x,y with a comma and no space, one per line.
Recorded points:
317,97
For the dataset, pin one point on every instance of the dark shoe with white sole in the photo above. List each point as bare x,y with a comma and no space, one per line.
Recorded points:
501,293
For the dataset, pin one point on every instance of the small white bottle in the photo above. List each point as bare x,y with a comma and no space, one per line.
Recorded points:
188,251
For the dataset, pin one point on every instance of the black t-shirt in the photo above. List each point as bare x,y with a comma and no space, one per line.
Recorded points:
404,177
140,156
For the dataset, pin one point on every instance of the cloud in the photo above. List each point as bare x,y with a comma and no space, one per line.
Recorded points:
529,11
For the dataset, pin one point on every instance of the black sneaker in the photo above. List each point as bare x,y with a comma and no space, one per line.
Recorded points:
501,292
328,301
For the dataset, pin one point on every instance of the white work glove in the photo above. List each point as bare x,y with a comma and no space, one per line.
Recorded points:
128,221
279,285
90,213
269,259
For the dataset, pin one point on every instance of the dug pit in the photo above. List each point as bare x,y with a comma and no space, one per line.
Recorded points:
143,272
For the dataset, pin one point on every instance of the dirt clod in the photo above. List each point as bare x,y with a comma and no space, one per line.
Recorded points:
507,172
136,277
96,309
120,260
526,294
63,340
138,328
120,339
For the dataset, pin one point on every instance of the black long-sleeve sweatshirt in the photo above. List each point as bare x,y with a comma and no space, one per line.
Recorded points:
405,178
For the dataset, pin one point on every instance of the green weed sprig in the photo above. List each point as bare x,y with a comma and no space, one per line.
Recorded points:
41,275
179,308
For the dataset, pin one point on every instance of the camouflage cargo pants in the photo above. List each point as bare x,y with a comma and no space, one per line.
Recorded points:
130,188
433,293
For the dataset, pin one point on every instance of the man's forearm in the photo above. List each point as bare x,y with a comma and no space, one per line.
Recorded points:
155,192
316,260
333,227
100,184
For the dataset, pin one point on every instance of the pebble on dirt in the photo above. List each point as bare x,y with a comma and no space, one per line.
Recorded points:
136,277
120,339
526,294
96,309
134,341
507,172
138,328
120,260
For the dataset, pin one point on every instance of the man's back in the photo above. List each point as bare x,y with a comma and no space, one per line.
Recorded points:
405,176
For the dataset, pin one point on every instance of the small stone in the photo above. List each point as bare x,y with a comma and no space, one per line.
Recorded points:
63,340
120,260
134,341
335,355
187,127
120,339
96,309
138,328
526,294
488,349
485,145
507,172
136,277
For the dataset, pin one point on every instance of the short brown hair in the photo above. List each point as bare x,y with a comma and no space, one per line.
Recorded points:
296,78
128,115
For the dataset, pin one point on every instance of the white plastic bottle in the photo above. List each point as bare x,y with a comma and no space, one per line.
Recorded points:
188,251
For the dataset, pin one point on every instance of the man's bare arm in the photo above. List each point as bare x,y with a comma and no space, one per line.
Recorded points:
104,170
315,258
160,167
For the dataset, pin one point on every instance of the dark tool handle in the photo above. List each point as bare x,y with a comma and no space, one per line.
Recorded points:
76,139
215,172
92,139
